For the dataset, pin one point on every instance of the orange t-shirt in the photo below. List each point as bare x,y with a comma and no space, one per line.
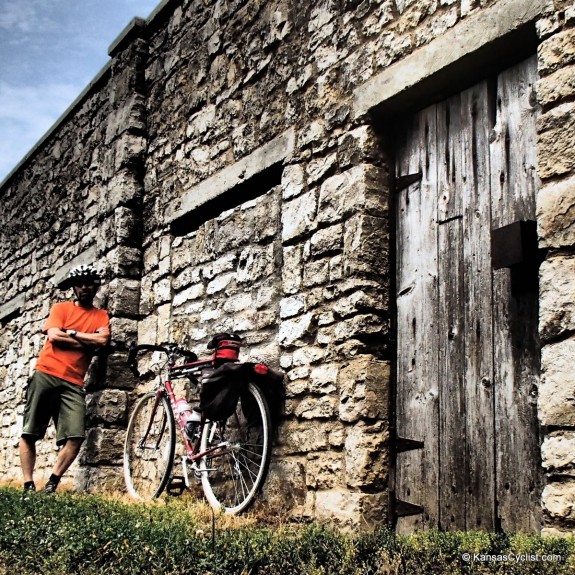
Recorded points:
70,364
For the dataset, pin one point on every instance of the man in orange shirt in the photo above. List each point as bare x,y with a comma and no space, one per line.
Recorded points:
56,390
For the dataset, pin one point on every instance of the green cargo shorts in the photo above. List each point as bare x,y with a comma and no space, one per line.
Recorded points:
49,397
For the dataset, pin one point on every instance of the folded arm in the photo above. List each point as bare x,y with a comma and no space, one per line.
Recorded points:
80,340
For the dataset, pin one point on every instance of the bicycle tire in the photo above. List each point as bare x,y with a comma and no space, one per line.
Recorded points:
232,477
147,467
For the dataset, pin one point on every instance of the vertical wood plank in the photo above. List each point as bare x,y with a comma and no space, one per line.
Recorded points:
451,344
417,384
478,316
516,343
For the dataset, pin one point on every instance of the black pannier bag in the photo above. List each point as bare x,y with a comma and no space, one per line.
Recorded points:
222,389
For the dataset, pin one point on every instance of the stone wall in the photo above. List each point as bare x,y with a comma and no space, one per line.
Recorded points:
225,174
556,225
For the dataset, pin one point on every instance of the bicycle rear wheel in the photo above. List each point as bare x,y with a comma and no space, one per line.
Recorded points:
148,457
232,475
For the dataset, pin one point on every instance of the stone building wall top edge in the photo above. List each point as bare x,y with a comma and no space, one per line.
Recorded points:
94,85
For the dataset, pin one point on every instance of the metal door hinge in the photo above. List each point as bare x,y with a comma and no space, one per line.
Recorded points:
404,444
404,508
402,182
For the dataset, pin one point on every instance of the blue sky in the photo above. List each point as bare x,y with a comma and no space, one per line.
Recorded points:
49,52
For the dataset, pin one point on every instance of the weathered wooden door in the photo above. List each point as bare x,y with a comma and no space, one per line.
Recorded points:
468,349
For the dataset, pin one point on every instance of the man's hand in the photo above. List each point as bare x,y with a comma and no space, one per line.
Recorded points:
80,340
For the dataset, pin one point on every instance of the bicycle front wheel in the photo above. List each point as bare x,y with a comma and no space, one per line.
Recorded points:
149,447
235,471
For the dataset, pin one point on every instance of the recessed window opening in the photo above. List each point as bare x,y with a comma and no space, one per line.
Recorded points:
256,186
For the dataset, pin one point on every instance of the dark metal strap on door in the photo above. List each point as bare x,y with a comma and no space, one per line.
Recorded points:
404,444
401,508
402,182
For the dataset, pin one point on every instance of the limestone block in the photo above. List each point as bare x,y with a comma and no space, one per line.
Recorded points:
556,213
104,446
127,227
293,181
292,270
327,240
366,245
296,331
557,389
557,297
556,87
291,306
103,479
364,389
124,262
298,216
359,325
255,263
558,452
180,254
164,316
238,302
324,470
351,510
129,148
558,500
124,297
108,405
117,371
194,292
358,301
316,272
323,407
162,290
367,455
130,115
557,51
297,436
323,378
359,146
226,263
557,141
220,283
122,188
284,487
308,355
358,189
124,330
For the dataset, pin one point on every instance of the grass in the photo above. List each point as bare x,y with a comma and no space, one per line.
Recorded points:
87,535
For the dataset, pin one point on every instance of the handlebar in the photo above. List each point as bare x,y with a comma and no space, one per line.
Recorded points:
170,349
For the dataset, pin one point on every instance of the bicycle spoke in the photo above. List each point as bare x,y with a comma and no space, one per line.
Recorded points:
149,447
232,478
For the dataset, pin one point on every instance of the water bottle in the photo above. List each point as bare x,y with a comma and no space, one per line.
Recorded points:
187,416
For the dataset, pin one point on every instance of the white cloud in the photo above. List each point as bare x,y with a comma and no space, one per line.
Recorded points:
24,17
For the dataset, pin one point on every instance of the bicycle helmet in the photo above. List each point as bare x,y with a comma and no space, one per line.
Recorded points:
81,274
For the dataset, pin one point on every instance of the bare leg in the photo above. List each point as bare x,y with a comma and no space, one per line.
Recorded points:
27,457
67,455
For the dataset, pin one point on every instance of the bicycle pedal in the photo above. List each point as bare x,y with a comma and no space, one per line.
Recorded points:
176,485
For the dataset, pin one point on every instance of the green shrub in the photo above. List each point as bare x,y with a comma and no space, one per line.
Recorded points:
89,535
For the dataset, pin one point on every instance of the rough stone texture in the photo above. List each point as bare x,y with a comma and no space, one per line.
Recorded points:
557,293
558,452
556,214
559,502
557,391
295,258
